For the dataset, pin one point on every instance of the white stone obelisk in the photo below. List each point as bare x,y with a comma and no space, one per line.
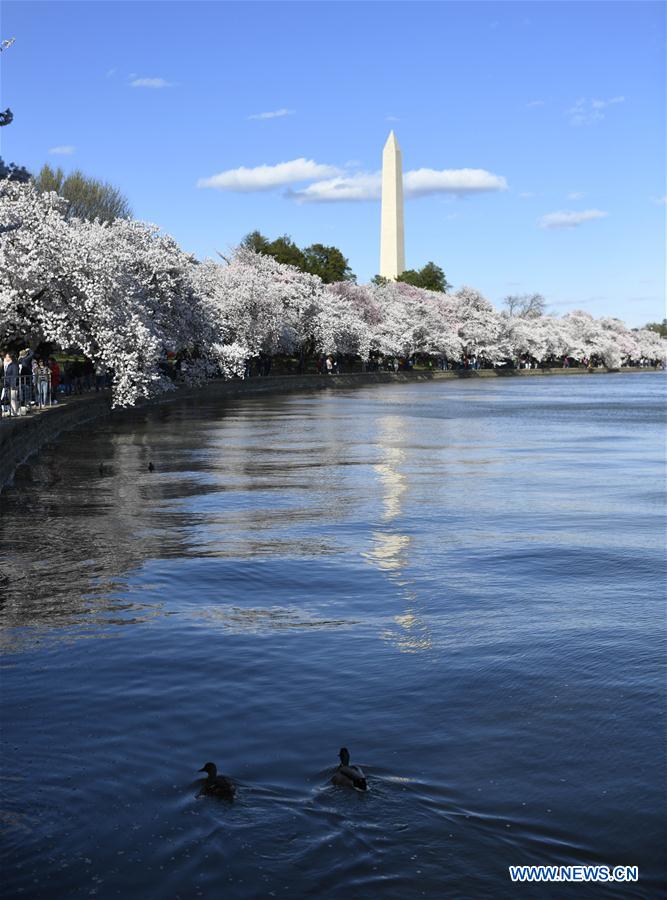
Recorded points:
392,242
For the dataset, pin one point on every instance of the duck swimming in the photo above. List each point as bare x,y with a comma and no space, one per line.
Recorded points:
217,785
347,775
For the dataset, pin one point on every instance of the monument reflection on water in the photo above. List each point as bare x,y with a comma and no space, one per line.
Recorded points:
439,576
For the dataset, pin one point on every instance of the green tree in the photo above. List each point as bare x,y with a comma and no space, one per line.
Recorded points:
88,198
660,327
379,280
255,241
286,251
327,262
430,277
13,172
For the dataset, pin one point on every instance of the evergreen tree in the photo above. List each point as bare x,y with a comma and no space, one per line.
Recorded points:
14,172
328,263
430,277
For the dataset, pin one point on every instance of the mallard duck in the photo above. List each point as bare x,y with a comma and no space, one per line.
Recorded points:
347,775
217,785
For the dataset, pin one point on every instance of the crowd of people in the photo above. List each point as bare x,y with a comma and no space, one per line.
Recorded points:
29,380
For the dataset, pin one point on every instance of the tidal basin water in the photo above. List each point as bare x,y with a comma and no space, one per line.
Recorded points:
462,582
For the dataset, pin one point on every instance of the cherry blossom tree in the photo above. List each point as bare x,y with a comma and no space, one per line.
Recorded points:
260,304
120,292
583,335
346,320
126,295
650,346
479,326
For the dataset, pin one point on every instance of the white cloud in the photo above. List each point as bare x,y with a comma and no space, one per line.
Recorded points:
150,83
263,178
660,201
585,112
63,150
526,195
564,219
360,186
417,183
534,103
421,182
392,119
111,73
575,195
276,114
334,184
602,104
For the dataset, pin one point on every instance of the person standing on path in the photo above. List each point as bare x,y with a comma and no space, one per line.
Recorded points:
25,376
55,379
43,383
11,383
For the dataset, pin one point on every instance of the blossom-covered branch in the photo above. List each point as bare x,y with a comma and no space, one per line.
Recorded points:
127,295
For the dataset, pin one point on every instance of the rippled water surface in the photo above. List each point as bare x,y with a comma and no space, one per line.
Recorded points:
463,582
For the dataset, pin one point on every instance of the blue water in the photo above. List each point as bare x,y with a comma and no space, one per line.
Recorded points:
463,582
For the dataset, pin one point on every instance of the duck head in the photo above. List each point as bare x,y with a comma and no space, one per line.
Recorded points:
344,756
210,768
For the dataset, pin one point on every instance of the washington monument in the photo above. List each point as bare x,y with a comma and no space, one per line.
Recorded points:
392,244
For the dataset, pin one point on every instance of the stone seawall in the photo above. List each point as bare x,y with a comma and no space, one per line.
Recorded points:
21,437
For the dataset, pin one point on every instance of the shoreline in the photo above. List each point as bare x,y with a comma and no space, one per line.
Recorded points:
21,437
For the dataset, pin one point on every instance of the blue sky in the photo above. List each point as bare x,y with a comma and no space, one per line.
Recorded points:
558,107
